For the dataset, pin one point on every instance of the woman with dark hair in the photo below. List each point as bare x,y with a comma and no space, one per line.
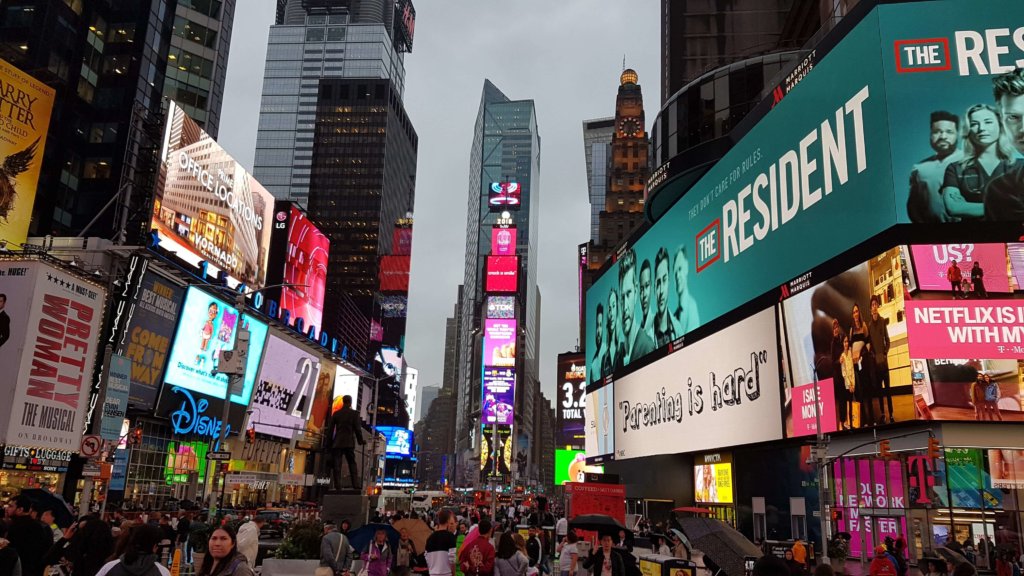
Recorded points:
222,557
508,561
568,555
140,558
10,563
85,546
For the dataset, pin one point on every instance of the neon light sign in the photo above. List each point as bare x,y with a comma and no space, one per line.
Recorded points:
189,418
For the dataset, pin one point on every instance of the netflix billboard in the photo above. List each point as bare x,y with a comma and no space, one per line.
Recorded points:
49,330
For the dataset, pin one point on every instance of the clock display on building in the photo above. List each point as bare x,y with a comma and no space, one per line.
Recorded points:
630,127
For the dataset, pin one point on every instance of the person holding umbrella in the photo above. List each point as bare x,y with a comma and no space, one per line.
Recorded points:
603,561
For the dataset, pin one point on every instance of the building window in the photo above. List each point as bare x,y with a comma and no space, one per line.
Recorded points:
96,168
336,34
122,32
315,34
316,19
19,16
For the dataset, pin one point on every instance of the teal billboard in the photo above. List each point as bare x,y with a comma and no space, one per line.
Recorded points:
914,117
812,179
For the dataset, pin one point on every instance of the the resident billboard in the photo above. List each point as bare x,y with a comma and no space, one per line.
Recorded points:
207,326
298,259
571,401
207,207
25,106
284,391
49,334
720,391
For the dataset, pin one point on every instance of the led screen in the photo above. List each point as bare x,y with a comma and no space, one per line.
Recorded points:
284,392
398,440
932,265
502,307
207,207
503,241
345,384
183,459
712,483
600,411
502,274
504,196
571,401
305,269
394,273
206,327
571,466
499,342
499,392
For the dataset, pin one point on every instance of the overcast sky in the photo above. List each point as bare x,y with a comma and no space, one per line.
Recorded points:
566,55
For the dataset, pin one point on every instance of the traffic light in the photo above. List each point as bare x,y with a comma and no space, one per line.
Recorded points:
135,439
934,450
250,435
883,449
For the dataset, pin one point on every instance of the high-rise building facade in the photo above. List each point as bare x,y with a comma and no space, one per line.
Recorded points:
334,136
427,395
108,63
597,140
627,170
314,40
503,195
197,62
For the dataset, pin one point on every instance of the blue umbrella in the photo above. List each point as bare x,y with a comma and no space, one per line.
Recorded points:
361,537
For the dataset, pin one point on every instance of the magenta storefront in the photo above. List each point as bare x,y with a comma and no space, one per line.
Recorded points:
871,502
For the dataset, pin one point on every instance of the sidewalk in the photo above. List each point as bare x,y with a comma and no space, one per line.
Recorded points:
855,568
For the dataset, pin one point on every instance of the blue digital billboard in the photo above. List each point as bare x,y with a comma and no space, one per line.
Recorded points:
207,326
399,440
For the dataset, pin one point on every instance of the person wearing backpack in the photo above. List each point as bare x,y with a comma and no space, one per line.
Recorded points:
140,559
223,557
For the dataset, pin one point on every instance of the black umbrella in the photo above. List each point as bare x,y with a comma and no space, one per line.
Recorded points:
720,543
600,523
360,538
45,500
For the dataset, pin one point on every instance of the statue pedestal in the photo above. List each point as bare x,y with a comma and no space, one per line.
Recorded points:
351,505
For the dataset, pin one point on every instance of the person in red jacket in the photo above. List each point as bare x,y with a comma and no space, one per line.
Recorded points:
882,565
477,559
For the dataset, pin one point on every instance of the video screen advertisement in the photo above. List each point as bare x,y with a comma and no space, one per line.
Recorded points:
153,314
298,259
320,409
49,334
503,241
571,399
720,391
504,196
502,274
501,307
394,273
207,326
848,334
599,436
499,342
952,79
26,104
966,338
499,393
743,228
504,451
712,479
284,391
207,207
571,466
399,441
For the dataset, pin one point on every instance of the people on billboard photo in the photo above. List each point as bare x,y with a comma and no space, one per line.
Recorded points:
614,349
977,170
685,317
645,282
664,328
636,343
600,349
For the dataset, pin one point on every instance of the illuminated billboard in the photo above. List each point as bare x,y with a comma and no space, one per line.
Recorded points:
501,307
298,259
571,466
284,392
499,342
207,326
712,480
499,393
932,265
26,104
49,339
394,273
399,441
502,274
503,452
183,460
599,434
152,317
504,196
207,207
503,241
570,398
345,384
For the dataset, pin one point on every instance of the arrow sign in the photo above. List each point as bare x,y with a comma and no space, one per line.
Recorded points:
218,455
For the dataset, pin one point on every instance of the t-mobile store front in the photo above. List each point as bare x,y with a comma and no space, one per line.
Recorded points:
870,500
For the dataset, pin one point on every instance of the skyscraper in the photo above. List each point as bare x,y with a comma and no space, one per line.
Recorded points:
427,396
503,185
111,66
597,138
313,40
334,136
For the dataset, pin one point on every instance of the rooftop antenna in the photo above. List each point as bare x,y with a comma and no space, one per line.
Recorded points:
623,61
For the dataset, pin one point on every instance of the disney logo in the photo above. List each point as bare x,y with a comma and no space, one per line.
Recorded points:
189,418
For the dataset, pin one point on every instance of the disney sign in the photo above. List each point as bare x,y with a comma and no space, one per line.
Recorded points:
190,417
